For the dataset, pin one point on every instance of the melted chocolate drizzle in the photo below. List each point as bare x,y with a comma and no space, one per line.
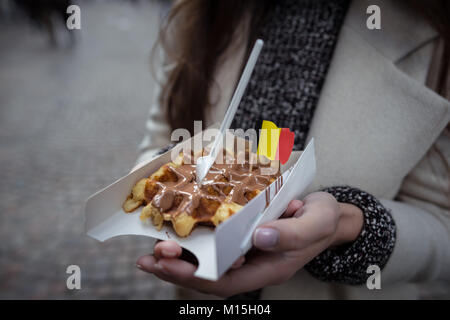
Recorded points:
225,182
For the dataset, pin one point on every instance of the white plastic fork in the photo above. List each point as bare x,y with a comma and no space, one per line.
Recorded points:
205,163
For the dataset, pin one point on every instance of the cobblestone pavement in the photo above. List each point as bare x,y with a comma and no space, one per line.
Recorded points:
70,123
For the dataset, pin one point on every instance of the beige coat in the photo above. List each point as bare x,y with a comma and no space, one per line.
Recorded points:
379,128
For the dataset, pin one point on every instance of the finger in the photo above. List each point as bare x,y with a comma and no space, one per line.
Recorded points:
299,212
293,207
166,269
176,268
149,264
181,273
264,270
145,263
167,249
291,233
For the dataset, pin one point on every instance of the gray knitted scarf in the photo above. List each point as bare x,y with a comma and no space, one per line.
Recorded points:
299,39
299,36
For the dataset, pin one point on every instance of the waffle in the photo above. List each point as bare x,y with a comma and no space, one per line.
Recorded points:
172,194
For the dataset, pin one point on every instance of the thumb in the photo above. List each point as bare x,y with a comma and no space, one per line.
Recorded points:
287,234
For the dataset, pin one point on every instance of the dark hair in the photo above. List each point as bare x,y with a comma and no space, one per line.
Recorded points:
194,35
197,32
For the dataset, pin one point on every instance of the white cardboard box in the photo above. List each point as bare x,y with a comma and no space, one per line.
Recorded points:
216,249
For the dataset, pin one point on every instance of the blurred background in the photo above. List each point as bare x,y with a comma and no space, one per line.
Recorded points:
73,106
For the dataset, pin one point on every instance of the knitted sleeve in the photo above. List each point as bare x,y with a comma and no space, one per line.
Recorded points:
348,263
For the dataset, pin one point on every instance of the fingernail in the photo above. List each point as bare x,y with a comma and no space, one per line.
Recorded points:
168,254
138,266
266,237
157,266
160,268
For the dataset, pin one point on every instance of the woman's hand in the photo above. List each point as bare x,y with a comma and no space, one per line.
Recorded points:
282,248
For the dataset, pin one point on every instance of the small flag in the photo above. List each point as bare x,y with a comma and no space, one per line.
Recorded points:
275,143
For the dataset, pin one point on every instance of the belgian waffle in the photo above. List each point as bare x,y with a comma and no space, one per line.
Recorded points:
173,194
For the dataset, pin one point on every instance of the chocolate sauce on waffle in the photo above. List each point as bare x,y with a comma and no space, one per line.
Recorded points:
225,182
